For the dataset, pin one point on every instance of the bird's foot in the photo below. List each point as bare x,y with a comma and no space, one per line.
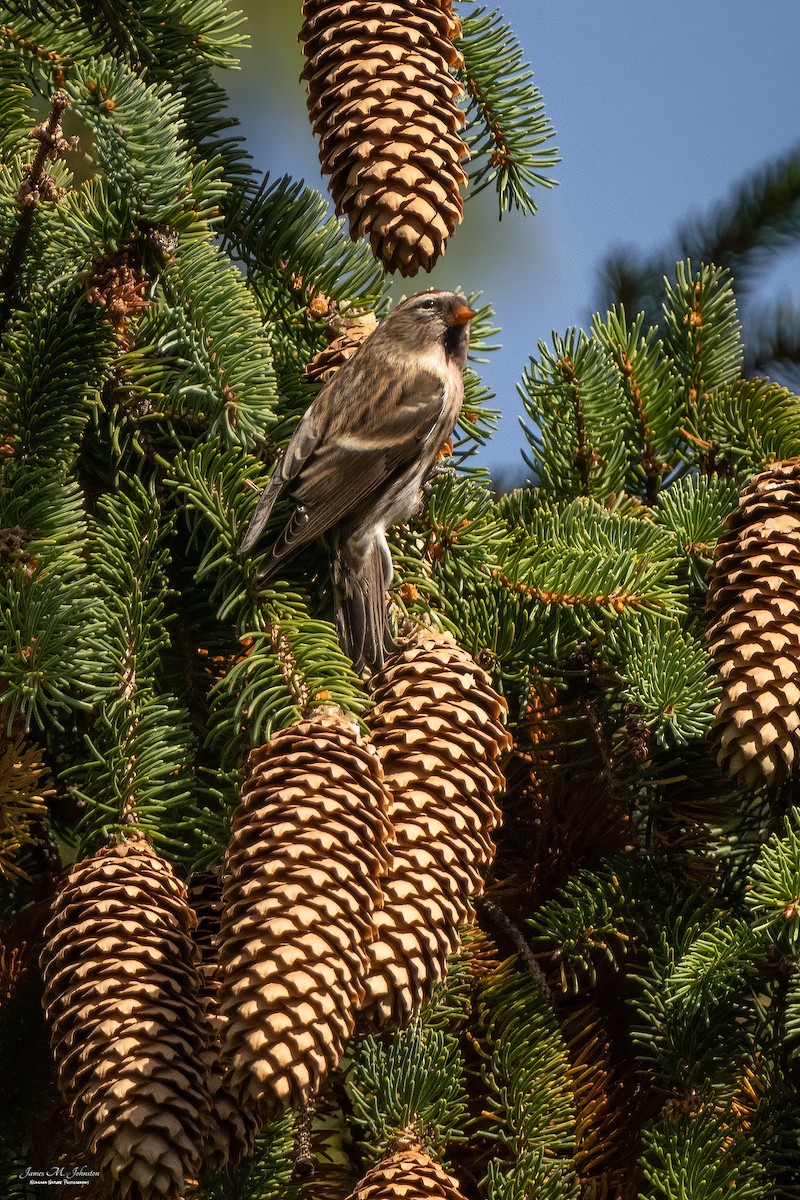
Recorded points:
436,472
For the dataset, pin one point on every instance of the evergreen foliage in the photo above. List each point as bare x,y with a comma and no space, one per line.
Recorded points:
745,233
160,304
508,125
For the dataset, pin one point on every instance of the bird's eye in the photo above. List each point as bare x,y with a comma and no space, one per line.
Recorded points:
429,305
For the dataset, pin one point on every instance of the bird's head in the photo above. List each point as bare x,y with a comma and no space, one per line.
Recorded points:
429,318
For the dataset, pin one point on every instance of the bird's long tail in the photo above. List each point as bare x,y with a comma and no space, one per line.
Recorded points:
361,572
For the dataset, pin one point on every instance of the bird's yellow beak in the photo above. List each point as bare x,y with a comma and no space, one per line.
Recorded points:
463,314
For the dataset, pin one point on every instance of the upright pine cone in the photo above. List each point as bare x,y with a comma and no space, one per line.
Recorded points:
408,1174
121,998
231,1130
383,104
306,855
754,636
437,728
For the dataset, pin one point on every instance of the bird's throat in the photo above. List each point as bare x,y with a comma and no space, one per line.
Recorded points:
456,344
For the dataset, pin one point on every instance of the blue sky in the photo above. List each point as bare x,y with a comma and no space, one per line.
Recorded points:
658,110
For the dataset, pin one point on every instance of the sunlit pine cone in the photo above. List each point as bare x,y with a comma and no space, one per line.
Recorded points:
754,635
408,1173
307,852
384,105
127,1030
437,726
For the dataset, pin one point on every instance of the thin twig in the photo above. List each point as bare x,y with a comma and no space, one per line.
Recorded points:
37,186
503,922
304,1158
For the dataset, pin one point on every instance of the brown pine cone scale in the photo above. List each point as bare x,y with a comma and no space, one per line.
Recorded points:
408,1174
127,1028
754,634
437,728
307,851
384,106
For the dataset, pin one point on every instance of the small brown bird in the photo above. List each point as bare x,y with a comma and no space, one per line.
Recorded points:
357,461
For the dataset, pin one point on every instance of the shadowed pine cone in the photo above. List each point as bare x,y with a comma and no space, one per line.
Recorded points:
306,855
437,728
348,333
231,1130
127,1030
383,104
408,1174
754,636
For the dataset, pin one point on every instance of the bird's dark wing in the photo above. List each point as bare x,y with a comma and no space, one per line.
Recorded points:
306,437
261,516
348,465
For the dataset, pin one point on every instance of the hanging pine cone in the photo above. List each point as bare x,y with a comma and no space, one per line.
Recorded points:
121,999
306,854
437,728
408,1174
754,637
348,334
383,104
231,1130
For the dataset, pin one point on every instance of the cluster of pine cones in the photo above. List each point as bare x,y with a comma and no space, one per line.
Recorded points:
180,1023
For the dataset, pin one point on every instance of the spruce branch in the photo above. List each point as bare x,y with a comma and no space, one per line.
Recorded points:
593,919
415,1081
284,235
664,672
694,509
208,353
56,352
758,221
526,1073
582,453
774,895
508,129
24,789
584,560
618,600
710,1147
138,766
47,635
703,334
773,343
139,146
120,24
648,384
15,120
742,427
28,47
573,398
717,964
606,1121
37,187
653,468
